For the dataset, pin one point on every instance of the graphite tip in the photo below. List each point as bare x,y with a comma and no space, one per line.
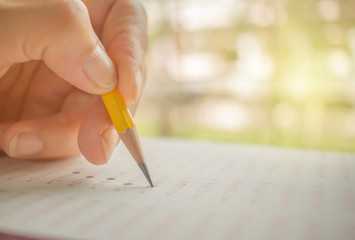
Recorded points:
144,169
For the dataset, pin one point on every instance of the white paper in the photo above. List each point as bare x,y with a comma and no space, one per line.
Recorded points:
202,191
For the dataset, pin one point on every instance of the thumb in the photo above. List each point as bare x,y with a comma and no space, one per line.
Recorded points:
58,32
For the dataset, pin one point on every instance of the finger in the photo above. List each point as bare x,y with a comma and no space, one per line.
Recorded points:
97,136
47,137
3,127
98,12
60,33
125,37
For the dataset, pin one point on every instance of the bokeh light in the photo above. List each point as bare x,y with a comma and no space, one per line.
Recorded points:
262,71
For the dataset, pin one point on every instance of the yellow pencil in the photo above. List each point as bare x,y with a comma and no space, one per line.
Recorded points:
123,122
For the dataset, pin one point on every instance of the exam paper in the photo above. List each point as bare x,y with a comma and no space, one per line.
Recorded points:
202,191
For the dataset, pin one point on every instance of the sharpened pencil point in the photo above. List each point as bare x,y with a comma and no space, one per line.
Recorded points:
144,169
131,140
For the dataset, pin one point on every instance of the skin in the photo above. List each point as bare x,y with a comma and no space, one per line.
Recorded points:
45,90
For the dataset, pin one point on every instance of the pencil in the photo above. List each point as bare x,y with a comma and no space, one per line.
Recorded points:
123,122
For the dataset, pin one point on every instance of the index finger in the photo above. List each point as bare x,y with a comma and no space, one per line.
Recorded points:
124,36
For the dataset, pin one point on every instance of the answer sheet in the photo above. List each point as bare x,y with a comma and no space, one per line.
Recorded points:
202,190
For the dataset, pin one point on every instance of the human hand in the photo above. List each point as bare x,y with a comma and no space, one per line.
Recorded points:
52,67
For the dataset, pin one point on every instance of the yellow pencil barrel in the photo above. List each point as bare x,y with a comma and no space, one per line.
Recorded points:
118,111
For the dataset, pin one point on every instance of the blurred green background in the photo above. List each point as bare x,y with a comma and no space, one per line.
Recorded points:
278,72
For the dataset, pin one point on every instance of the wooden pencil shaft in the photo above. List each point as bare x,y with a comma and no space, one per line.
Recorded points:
131,140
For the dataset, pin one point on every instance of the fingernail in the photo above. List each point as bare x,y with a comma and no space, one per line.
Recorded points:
109,138
100,69
139,82
25,144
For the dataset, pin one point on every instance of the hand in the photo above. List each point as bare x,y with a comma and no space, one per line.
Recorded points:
53,64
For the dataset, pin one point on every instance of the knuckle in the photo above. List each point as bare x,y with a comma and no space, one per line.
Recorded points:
130,52
69,12
72,8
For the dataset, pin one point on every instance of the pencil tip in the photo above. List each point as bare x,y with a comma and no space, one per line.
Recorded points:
131,140
144,169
